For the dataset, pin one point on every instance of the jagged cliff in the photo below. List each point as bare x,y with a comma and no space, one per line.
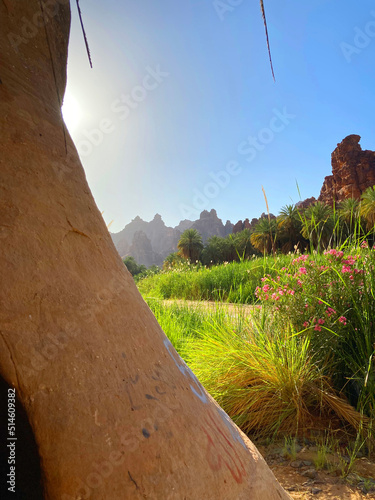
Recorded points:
150,242
353,171
246,224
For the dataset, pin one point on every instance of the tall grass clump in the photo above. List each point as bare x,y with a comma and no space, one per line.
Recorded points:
268,380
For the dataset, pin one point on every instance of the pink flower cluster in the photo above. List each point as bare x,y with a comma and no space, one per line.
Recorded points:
301,258
302,294
335,253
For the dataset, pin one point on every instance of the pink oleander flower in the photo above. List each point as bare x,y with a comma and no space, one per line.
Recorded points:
320,302
299,282
302,270
291,292
334,253
302,258
266,288
306,324
281,292
346,269
364,244
330,311
321,321
342,320
318,328
350,260
273,296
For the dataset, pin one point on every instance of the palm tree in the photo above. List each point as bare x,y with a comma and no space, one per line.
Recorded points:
190,244
349,213
264,236
214,251
368,206
242,244
289,223
318,224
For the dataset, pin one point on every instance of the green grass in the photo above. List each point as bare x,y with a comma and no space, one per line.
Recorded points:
233,282
264,377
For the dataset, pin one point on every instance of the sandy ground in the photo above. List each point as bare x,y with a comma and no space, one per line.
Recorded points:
305,482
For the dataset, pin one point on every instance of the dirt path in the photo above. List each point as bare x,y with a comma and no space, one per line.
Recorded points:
233,309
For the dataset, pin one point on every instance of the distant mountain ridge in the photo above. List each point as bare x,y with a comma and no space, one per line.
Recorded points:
151,242
353,171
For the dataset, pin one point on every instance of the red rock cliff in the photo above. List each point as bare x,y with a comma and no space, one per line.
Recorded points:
353,171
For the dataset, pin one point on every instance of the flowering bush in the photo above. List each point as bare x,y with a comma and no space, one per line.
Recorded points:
316,292
330,298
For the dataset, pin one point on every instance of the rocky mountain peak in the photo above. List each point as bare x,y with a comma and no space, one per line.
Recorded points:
158,219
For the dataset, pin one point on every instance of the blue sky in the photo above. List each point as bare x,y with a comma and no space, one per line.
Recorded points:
180,112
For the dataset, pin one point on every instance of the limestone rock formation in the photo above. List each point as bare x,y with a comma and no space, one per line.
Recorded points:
238,227
353,171
209,224
305,203
159,241
114,412
141,247
246,224
162,239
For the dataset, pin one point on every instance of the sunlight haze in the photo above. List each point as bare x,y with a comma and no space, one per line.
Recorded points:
180,90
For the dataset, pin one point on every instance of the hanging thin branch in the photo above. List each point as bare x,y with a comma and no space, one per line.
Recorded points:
84,33
268,41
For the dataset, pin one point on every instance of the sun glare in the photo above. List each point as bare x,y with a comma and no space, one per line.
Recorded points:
71,111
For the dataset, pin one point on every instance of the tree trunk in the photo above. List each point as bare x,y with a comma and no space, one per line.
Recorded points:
115,413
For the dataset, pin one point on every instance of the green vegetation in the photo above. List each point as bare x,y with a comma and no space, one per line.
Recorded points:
190,245
232,282
303,358
319,226
139,271
133,267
